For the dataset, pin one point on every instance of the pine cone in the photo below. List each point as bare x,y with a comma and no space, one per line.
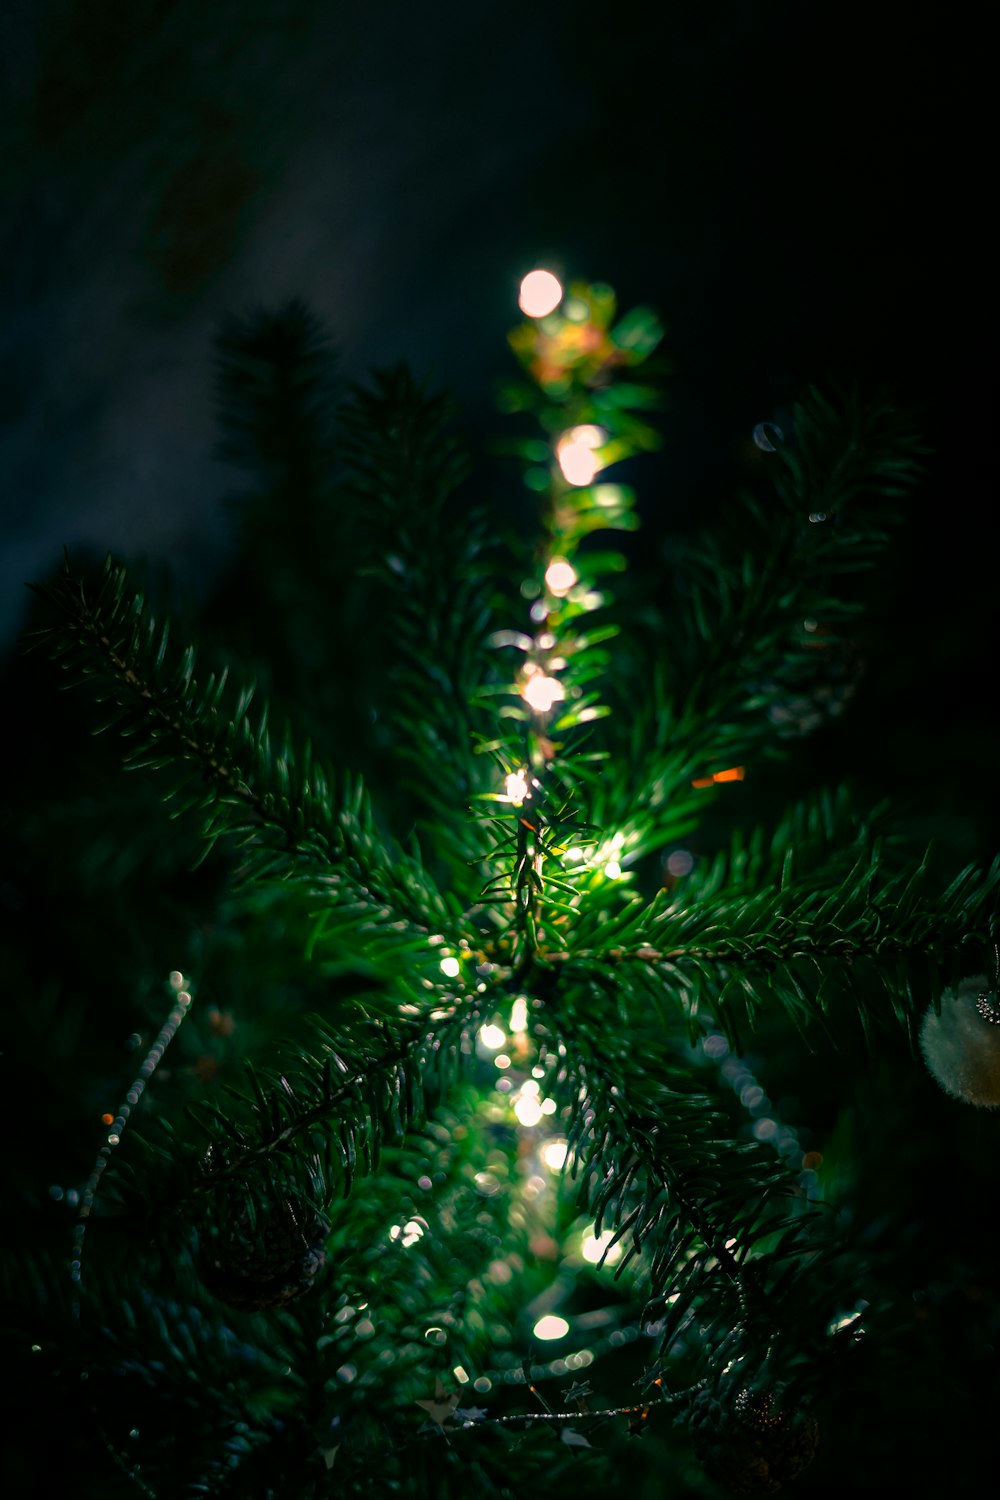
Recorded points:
753,1440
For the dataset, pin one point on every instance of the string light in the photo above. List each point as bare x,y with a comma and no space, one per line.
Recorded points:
540,294
577,455
551,1327
553,1154
560,576
595,1248
541,692
151,1061
517,787
519,1015
528,1107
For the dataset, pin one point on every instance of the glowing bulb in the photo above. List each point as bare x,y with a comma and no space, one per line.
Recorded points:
576,453
528,1108
408,1233
554,1155
578,464
551,1327
540,294
612,870
541,692
593,1248
492,1036
560,576
451,967
517,787
519,1014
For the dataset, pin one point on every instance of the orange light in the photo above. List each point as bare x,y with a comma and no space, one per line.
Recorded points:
734,773
107,1119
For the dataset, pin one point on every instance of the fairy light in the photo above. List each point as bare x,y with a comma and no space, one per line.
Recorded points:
451,967
492,1036
517,787
560,576
577,456
551,1326
553,1154
519,1015
541,692
540,293
597,1248
613,870
407,1234
528,1106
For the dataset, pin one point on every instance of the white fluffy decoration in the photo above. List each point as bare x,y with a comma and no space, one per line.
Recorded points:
961,1049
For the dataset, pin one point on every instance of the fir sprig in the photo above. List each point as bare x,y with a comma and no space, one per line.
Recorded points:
282,809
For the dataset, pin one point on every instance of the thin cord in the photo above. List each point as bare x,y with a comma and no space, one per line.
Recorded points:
177,983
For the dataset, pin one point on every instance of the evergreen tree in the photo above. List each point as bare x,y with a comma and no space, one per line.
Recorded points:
544,1103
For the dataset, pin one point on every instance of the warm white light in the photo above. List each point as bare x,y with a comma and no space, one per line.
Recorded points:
579,465
551,1327
451,967
613,870
540,294
560,576
587,435
528,1108
519,1014
554,1155
408,1233
593,1248
541,692
517,787
492,1036
576,453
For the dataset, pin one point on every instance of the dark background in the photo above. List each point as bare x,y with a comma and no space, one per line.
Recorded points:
798,189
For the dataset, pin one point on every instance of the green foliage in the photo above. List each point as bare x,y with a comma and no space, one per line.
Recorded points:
470,862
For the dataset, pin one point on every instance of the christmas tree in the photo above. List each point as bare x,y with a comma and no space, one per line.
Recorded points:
453,1069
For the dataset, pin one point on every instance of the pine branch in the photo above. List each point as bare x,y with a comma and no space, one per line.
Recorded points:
754,646
280,807
435,610
883,945
654,1159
